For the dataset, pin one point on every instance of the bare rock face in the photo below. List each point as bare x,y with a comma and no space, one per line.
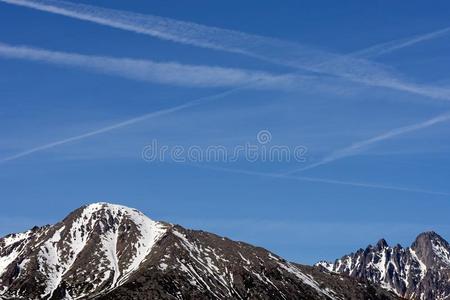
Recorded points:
106,252
421,271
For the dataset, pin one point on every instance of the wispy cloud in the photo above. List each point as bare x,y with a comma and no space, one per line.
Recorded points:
119,125
358,147
321,180
164,73
269,49
385,48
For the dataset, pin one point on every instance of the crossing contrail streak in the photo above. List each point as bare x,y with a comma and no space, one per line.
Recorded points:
129,122
163,73
352,67
269,49
391,46
321,180
361,145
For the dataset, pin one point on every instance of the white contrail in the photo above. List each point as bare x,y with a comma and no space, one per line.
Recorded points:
119,125
146,70
384,48
269,49
359,146
322,180
256,46
374,51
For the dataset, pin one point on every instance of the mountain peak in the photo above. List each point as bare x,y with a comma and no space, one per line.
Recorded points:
109,213
423,243
381,244
431,248
411,272
109,206
428,236
110,241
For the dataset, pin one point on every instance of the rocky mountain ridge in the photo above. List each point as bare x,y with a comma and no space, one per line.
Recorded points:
105,252
421,271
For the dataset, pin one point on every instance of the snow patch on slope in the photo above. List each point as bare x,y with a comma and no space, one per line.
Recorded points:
307,279
441,251
12,241
151,232
423,267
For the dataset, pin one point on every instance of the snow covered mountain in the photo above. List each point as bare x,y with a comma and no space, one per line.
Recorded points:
94,249
421,271
104,251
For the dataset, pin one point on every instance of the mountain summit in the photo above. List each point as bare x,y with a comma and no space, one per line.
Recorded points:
94,249
105,252
421,271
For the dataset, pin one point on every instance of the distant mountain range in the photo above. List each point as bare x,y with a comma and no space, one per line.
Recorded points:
106,252
421,271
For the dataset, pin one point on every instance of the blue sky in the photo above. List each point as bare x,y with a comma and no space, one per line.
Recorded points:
363,87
